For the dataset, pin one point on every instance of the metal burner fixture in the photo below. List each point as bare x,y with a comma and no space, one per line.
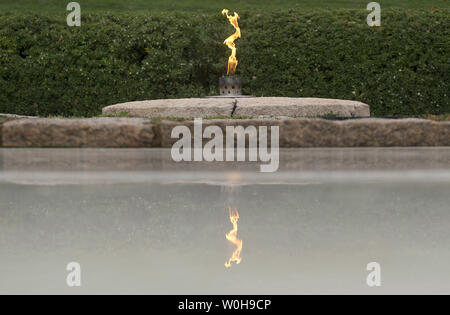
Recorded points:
230,86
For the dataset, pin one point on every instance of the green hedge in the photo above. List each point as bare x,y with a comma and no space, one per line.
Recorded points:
48,68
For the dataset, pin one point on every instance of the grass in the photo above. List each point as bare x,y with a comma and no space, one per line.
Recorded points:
115,115
445,117
59,6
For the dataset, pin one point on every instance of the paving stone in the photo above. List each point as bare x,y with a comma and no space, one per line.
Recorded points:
300,107
300,132
251,107
177,108
94,132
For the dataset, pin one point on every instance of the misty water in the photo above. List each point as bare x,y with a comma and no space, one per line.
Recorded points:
304,232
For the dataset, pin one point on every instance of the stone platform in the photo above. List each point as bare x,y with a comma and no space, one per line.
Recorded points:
293,132
248,107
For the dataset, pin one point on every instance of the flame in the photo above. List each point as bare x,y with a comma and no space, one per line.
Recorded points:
232,61
232,237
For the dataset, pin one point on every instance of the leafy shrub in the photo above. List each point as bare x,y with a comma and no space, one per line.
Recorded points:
401,68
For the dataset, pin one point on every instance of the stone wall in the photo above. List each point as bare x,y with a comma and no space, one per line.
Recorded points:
302,132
